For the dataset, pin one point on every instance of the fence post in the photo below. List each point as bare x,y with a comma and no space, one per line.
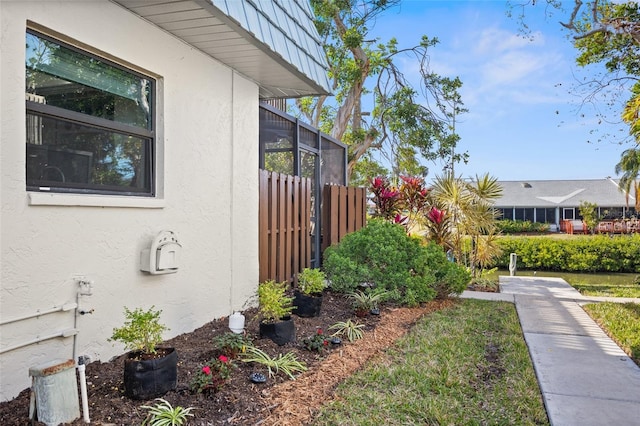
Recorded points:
513,260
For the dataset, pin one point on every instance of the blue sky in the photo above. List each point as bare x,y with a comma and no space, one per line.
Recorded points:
524,122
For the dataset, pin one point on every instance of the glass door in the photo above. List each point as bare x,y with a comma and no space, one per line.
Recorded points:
309,169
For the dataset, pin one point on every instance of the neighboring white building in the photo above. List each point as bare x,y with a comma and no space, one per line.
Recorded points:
551,201
139,117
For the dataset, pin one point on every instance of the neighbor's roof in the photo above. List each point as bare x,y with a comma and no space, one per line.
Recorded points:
273,42
561,193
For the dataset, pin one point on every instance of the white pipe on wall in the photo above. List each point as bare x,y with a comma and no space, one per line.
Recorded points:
83,389
64,308
65,333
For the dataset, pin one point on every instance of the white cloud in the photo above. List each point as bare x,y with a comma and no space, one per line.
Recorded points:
494,40
511,68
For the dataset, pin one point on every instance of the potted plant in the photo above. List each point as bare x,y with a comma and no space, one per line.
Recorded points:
274,308
149,371
308,295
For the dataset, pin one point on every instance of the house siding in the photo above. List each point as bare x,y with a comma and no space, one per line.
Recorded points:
208,156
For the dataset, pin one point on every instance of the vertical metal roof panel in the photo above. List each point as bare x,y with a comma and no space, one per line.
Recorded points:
255,22
287,27
283,18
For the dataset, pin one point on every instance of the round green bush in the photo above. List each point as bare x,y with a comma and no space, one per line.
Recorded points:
382,255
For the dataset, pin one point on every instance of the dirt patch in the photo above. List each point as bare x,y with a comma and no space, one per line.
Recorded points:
279,401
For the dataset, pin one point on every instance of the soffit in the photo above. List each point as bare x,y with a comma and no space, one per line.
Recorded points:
272,42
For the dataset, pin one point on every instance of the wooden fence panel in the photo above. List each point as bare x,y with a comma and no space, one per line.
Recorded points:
284,222
344,211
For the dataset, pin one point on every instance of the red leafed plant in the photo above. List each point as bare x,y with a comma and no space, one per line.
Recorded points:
401,205
386,198
438,228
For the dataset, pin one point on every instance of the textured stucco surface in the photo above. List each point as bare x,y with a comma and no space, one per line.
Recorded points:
208,133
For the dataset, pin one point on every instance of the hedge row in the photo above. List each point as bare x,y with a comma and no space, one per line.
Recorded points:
599,253
508,226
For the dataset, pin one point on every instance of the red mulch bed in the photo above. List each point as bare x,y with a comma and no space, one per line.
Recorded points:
240,402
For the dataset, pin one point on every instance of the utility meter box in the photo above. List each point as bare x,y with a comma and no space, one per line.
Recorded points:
54,392
163,257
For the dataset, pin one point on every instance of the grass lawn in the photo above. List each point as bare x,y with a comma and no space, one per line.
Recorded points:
609,288
621,321
464,365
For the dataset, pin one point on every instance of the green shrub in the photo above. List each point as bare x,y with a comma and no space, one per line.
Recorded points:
344,272
142,330
450,279
485,284
508,226
598,253
311,281
273,302
381,254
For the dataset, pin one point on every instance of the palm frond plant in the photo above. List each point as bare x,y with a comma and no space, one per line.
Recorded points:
349,329
469,213
287,363
364,301
629,166
163,414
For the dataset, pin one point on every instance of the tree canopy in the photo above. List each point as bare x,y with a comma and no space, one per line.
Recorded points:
407,125
608,33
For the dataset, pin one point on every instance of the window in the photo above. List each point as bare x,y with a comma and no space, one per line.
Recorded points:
90,126
568,213
546,215
507,214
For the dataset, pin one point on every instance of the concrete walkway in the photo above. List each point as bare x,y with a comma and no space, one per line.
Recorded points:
584,377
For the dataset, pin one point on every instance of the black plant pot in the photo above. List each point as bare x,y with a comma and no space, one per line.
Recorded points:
306,306
150,378
280,332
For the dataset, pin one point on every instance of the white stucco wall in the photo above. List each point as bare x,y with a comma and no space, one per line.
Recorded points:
208,157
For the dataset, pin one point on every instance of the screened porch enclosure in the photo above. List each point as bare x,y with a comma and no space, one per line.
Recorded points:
554,215
291,147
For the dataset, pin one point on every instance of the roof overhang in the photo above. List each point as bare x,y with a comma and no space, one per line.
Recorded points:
268,42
